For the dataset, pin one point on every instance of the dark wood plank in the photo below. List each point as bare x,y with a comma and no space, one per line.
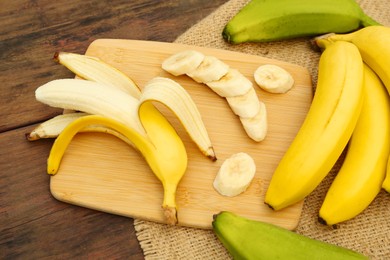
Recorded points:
34,225
31,31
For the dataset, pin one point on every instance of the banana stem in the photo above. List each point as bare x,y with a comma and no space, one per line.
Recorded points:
169,203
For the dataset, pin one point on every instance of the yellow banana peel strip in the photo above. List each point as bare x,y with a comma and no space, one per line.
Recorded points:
160,149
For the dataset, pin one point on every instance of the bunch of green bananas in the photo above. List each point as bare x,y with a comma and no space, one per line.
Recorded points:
350,104
272,20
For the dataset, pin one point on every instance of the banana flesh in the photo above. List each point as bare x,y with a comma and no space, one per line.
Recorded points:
53,127
360,178
211,69
245,106
326,129
94,69
174,96
231,84
256,127
270,20
249,239
92,98
110,102
235,174
273,79
183,62
228,83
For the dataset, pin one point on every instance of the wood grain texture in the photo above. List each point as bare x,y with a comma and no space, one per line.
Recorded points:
33,225
31,31
102,173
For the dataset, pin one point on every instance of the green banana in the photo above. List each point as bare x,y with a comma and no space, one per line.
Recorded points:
250,239
272,20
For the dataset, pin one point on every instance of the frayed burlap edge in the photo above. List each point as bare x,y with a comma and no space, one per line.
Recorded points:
368,233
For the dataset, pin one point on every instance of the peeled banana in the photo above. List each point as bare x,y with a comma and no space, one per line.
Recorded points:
94,69
326,129
250,239
360,178
112,103
272,20
92,98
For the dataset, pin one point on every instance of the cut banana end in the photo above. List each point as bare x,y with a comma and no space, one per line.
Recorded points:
273,78
177,99
235,175
257,126
211,69
53,127
182,62
245,106
233,83
94,69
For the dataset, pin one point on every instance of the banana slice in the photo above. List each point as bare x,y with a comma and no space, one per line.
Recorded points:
273,78
233,83
235,174
256,127
210,69
183,62
245,106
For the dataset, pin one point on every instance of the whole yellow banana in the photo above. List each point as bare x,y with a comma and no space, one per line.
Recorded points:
361,175
163,149
327,128
373,43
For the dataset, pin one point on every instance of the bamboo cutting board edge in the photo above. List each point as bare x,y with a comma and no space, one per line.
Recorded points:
77,185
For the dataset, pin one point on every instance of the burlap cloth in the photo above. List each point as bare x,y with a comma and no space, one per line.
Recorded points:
368,233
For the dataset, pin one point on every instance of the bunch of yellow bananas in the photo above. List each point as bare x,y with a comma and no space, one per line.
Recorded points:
350,104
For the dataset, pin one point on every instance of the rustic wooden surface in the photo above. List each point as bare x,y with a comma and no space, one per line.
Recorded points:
33,225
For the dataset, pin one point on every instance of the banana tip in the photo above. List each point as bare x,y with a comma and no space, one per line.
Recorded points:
170,214
56,56
324,222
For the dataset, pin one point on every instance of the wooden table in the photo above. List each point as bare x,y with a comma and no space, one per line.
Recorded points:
33,225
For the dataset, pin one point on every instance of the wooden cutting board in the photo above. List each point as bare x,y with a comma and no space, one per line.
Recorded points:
101,172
